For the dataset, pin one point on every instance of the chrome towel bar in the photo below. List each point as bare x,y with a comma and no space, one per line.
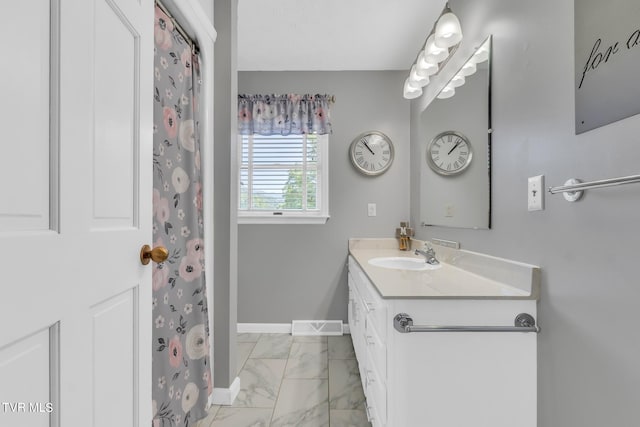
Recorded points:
574,188
523,322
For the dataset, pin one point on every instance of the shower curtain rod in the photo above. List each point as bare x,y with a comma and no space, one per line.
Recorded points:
177,26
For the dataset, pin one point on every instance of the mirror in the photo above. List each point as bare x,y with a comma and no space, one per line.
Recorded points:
455,149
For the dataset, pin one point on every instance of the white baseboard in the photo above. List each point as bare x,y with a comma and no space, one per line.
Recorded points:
264,328
226,396
272,328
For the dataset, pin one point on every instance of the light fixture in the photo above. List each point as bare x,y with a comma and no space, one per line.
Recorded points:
447,92
482,53
448,31
457,80
418,78
411,90
433,53
469,68
441,43
424,67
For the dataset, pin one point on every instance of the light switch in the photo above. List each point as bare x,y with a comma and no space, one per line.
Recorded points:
371,209
535,191
449,211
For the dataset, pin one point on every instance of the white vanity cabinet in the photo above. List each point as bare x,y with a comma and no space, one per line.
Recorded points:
442,379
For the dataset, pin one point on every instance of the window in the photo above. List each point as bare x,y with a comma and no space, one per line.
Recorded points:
283,179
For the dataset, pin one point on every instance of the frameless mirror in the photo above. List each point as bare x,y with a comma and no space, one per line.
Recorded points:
455,147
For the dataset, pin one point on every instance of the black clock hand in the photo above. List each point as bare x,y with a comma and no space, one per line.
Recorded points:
454,147
368,148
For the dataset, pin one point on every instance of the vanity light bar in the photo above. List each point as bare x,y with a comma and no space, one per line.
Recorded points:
442,42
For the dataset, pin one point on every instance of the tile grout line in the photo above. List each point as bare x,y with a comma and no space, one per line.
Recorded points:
273,412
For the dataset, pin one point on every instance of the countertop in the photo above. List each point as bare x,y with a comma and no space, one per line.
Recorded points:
463,275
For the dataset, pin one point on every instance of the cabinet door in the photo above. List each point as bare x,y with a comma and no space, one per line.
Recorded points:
464,379
356,318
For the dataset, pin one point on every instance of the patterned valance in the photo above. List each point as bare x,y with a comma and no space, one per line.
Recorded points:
284,114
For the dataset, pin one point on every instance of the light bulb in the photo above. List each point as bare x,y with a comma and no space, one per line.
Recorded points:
433,53
411,90
482,54
448,30
417,78
469,68
457,80
425,68
447,92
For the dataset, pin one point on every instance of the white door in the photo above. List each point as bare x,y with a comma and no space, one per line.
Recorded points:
75,209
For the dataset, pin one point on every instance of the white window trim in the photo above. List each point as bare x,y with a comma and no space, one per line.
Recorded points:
285,218
292,217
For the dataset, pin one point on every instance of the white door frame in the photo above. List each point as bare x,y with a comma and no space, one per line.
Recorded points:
194,21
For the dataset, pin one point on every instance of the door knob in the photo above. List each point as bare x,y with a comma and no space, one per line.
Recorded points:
158,254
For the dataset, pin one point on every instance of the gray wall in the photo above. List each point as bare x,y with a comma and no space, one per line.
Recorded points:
589,347
289,272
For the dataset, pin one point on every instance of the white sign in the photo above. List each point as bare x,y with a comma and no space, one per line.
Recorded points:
607,61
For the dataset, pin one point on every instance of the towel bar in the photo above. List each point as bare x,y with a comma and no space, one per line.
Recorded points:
574,188
523,322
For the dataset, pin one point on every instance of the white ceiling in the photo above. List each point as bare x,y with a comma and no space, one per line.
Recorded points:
275,35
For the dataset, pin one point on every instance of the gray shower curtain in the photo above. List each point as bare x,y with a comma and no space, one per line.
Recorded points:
181,373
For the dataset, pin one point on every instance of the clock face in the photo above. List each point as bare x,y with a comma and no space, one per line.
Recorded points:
371,153
449,153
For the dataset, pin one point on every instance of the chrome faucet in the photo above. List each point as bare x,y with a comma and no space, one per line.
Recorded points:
428,253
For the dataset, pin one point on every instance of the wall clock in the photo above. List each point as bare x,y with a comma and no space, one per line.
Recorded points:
449,153
371,153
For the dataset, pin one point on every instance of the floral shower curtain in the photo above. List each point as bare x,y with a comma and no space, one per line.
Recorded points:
284,114
181,372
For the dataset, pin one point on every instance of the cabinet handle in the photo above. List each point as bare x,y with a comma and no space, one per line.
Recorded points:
369,379
370,306
369,417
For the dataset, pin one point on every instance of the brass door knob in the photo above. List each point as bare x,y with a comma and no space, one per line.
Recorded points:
158,254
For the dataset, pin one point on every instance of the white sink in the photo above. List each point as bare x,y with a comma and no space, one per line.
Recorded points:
403,263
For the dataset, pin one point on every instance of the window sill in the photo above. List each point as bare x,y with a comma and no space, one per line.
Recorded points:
282,219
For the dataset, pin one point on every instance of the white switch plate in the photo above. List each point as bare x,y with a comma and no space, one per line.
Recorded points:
449,211
371,209
535,191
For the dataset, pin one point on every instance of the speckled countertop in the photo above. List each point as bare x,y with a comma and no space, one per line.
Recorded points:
464,274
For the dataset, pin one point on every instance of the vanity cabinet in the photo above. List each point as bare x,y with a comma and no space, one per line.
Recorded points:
442,379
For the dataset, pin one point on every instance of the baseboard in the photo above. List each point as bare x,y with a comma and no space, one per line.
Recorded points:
273,328
264,328
226,396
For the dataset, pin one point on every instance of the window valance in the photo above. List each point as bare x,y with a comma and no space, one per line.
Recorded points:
284,114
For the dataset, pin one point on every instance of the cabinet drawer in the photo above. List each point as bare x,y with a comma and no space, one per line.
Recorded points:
376,394
374,306
350,309
376,351
376,310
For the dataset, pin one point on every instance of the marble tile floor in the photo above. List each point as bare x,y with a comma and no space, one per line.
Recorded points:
294,382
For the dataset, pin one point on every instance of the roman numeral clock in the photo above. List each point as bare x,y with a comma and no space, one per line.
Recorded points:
449,153
371,153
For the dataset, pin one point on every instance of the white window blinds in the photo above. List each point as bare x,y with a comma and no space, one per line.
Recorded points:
283,176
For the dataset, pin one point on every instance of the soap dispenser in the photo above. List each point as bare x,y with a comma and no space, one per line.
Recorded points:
404,235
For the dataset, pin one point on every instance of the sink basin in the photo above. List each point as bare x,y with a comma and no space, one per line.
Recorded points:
403,263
